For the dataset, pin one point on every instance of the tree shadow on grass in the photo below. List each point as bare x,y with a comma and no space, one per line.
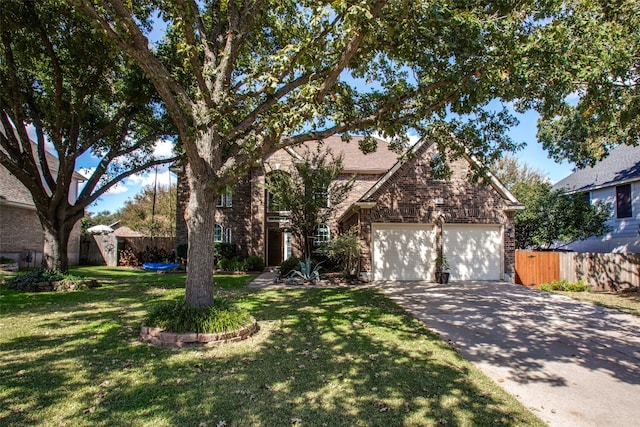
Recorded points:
323,357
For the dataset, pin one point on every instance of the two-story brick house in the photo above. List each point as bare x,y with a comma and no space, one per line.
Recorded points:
402,213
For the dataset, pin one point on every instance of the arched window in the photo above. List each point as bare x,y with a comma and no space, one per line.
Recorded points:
322,235
217,233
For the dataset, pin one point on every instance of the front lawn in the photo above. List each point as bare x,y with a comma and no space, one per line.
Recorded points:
624,302
334,357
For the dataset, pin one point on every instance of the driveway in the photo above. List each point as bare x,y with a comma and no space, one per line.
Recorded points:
571,363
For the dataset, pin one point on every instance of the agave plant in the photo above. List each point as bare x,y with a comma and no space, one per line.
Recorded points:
308,272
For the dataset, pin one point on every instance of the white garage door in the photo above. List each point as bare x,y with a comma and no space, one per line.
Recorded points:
403,251
474,252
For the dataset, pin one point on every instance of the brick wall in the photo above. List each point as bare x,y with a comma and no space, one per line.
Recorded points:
21,232
412,196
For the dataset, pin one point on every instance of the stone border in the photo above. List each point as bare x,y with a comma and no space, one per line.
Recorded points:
160,337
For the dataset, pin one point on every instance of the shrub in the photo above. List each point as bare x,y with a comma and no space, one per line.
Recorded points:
178,316
225,250
231,264
254,263
4,260
153,254
345,250
289,265
565,286
181,250
48,280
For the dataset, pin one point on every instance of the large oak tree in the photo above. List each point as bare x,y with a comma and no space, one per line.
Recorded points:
62,77
244,78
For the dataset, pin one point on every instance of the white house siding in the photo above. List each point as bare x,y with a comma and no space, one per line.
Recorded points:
625,234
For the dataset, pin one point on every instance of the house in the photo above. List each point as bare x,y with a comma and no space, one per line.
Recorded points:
403,214
21,236
615,180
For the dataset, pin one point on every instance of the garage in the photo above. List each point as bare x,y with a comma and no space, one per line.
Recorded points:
474,252
403,251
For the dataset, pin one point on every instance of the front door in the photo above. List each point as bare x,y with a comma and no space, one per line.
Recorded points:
274,247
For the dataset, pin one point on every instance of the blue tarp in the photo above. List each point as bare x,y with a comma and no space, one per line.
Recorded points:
159,266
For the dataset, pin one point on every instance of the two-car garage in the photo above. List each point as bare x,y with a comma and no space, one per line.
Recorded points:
408,251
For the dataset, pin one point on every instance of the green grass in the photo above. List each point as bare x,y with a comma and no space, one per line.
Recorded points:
335,357
624,302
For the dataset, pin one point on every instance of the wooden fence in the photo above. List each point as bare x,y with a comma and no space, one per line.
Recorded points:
602,271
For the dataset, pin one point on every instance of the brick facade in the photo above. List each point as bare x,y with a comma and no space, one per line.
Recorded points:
20,230
409,195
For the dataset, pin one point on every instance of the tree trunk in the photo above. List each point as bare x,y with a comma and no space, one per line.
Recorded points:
200,219
56,241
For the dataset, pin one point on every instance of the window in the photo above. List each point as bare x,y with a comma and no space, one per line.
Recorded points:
227,236
586,197
217,233
322,234
623,201
272,206
225,198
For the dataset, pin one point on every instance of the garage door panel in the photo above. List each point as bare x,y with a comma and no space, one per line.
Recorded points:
473,252
403,252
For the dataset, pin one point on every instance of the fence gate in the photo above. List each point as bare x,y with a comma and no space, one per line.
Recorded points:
534,268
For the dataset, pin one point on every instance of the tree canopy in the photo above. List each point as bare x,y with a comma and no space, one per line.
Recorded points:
549,217
62,78
581,70
152,211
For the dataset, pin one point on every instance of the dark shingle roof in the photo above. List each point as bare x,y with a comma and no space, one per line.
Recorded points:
621,165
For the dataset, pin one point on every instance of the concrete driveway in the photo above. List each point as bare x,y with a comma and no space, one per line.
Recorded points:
572,363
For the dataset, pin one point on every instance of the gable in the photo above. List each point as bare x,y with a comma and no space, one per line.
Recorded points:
414,171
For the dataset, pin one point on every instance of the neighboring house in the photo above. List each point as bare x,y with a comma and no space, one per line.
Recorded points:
615,180
21,235
402,214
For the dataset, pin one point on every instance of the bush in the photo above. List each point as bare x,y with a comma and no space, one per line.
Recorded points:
49,280
178,316
288,265
225,250
4,260
565,286
254,263
231,264
153,254
181,250
345,250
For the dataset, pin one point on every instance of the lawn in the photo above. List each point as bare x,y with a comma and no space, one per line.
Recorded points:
323,357
624,302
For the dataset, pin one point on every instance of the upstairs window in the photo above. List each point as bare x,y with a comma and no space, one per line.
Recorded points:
623,201
225,199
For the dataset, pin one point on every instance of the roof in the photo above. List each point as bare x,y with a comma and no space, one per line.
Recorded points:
354,160
622,165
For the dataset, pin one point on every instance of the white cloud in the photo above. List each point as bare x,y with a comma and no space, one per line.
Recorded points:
163,148
119,188
147,179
